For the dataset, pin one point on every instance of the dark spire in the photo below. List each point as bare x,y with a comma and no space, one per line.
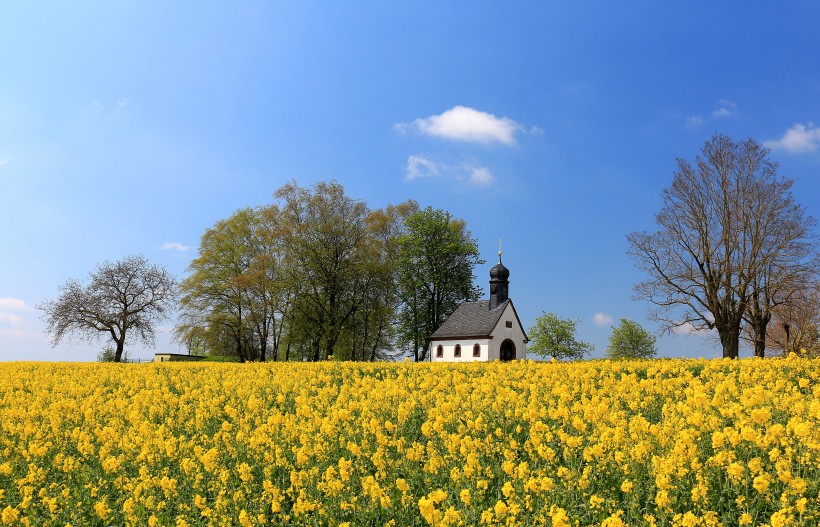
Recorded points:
499,282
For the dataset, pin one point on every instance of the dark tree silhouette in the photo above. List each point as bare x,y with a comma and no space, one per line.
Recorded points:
123,299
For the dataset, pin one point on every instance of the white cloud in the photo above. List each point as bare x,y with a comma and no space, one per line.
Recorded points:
481,176
14,304
14,333
466,124
420,166
800,138
11,319
694,121
726,108
174,246
688,329
601,319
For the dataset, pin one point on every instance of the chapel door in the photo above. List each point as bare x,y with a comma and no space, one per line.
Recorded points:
507,350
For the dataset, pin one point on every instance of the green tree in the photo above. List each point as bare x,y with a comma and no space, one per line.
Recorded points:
308,277
554,337
373,330
436,257
124,299
630,341
334,269
233,302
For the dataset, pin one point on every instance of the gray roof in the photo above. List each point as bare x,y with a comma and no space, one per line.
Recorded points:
471,319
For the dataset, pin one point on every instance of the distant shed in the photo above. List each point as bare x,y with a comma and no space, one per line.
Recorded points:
177,357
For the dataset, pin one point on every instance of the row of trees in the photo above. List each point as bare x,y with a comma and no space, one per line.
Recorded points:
556,337
317,274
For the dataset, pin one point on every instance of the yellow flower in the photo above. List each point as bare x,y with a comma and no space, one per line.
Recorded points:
761,483
102,510
559,517
780,519
626,486
614,520
735,471
662,499
9,515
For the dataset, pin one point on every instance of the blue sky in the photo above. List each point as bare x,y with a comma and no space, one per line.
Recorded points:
132,127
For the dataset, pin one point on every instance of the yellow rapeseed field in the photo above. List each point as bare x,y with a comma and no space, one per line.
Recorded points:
667,442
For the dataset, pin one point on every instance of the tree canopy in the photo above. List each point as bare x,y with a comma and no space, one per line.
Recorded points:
309,277
555,337
436,259
629,340
124,299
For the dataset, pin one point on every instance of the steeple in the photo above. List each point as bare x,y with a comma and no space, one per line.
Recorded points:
499,282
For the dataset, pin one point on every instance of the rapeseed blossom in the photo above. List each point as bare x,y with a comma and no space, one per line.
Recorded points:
644,443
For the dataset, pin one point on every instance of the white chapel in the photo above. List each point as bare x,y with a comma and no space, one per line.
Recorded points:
485,330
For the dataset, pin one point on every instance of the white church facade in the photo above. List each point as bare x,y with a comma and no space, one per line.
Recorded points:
485,330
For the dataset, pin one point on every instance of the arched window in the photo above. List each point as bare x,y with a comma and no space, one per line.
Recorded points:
457,352
440,351
477,350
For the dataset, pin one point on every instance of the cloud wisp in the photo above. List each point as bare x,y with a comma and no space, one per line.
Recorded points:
14,304
799,139
11,324
464,124
687,329
726,109
174,246
601,319
420,166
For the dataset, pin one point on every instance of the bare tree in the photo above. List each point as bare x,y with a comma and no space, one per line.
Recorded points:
729,235
124,298
795,326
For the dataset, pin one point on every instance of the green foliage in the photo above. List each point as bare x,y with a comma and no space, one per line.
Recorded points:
220,358
109,354
232,302
436,258
630,341
306,278
554,337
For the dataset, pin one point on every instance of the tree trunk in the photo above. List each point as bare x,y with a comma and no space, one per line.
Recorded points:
760,339
263,348
316,350
118,352
729,340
